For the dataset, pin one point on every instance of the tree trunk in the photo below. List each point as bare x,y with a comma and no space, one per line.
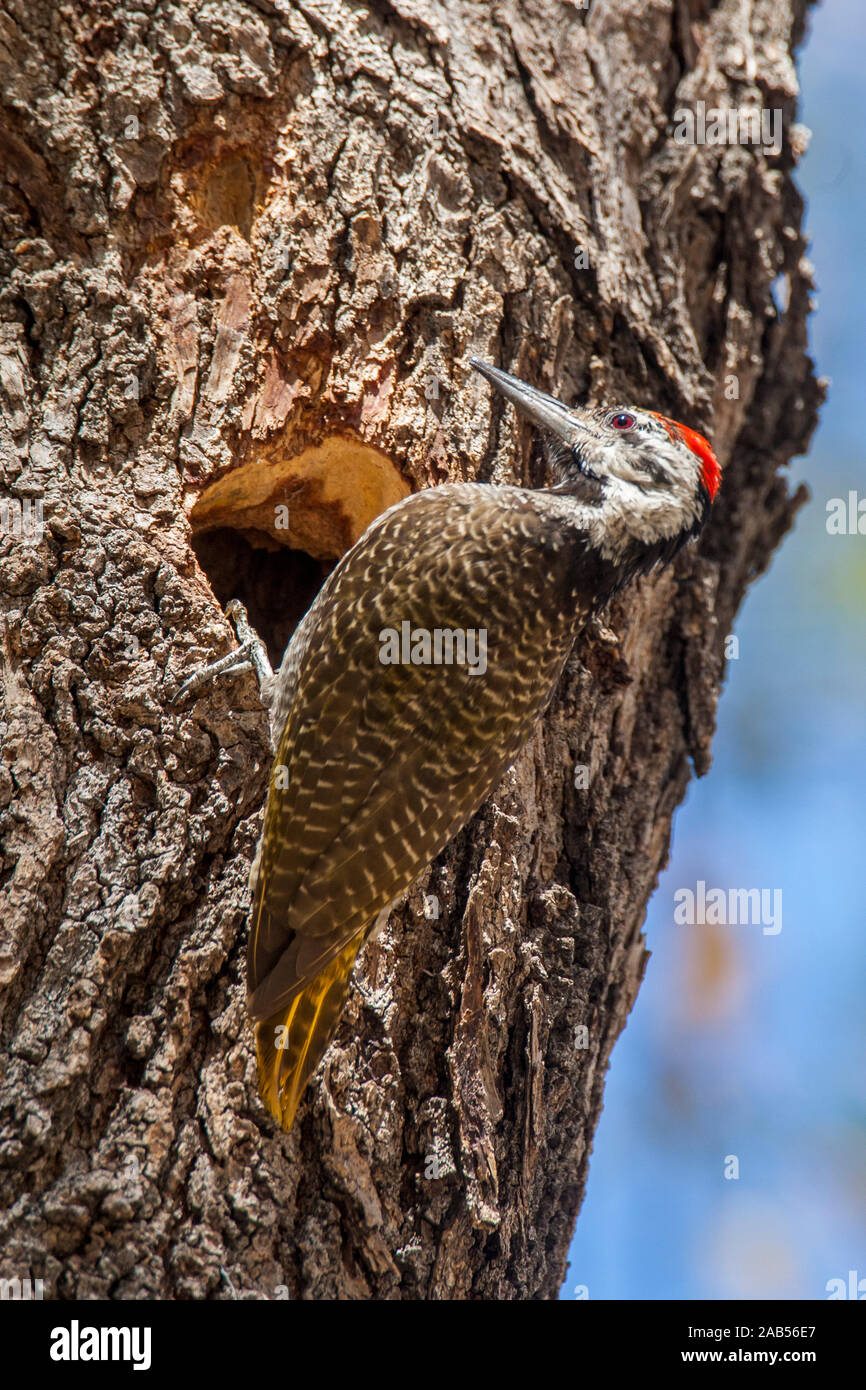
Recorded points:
247,250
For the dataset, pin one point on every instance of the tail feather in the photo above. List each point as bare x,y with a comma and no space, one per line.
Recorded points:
290,1044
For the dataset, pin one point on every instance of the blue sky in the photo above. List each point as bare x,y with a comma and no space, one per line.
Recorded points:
744,1043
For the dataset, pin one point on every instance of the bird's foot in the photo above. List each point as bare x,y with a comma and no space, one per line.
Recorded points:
605,635
250,655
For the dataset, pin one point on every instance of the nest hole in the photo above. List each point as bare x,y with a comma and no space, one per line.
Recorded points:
276,586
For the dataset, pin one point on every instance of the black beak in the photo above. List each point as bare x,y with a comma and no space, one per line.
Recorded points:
543,410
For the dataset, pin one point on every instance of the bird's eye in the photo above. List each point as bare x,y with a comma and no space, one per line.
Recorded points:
623,421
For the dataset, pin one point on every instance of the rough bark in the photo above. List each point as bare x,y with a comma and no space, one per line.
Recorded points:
242,241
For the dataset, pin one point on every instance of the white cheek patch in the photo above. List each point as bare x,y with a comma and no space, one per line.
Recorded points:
622,464
628,514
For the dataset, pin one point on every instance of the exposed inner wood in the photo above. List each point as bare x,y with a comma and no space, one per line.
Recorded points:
320,501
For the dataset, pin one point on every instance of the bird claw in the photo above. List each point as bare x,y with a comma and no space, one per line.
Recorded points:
250,655
252,647
605,635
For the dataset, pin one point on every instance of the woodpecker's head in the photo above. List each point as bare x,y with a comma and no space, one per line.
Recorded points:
644,480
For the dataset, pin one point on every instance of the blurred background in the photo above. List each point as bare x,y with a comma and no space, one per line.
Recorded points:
743,1043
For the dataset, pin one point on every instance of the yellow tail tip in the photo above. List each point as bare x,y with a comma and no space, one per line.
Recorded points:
291,1042
281,1102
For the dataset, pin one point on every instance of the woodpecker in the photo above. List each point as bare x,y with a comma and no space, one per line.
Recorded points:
387,743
